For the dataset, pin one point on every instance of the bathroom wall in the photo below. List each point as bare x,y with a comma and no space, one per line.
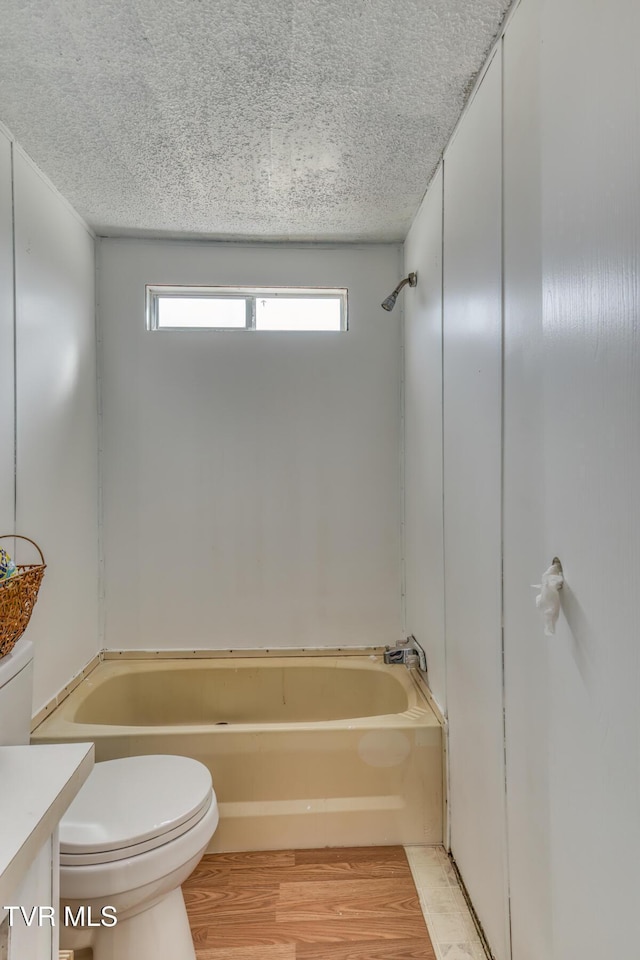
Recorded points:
7,372
423,519
569,420
529,655
572,473
472,355
54,494
251,481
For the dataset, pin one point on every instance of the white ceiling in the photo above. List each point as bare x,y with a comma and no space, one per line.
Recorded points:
236,119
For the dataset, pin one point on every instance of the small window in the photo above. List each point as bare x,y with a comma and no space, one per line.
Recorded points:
250,308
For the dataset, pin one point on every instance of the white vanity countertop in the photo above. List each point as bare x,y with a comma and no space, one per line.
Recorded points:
37,785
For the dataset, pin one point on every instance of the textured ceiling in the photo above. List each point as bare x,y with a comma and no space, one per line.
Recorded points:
235,119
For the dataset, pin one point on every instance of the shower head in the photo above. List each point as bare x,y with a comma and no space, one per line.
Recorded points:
389,302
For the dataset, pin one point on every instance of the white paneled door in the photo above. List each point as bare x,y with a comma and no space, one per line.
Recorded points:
472,504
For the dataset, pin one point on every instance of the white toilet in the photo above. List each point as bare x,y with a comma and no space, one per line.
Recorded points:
128,841
132,836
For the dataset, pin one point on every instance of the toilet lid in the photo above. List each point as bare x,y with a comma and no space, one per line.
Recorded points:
138,802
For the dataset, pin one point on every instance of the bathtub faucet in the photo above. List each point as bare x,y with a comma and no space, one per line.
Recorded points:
408,652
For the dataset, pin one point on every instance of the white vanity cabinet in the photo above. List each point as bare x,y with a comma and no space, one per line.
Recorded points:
37,785
35,937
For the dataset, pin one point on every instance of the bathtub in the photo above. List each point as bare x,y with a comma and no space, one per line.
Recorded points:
303,751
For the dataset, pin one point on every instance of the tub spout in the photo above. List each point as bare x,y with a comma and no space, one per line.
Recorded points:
408,652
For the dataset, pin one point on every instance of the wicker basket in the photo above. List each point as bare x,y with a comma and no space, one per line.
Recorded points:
18,595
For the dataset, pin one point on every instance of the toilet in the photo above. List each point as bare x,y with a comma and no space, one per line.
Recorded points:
133,834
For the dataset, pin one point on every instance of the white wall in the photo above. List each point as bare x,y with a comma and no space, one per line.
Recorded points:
571,474
56,413
526,550
423,520
572,285
472,357
251,482
7,372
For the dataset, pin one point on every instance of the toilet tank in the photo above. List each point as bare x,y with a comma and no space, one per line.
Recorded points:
16,690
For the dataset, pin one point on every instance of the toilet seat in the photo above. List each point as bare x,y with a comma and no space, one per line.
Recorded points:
132,805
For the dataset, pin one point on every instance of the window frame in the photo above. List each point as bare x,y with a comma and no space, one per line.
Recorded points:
155,291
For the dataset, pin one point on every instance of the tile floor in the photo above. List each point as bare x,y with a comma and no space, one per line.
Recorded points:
453,932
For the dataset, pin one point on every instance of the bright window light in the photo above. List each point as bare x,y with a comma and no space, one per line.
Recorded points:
298,313
291,309
202,312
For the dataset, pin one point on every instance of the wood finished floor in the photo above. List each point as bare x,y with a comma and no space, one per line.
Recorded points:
357,903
